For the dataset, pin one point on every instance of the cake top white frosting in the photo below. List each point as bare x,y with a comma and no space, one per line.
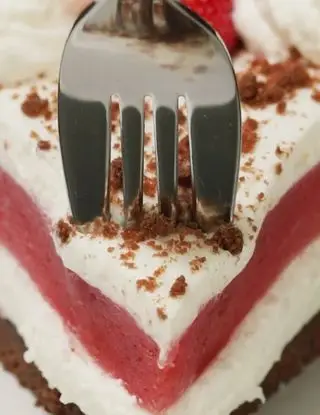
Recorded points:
163,284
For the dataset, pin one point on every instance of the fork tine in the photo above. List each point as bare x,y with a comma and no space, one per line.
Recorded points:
215,147
108,135
166,143
83,148
132,142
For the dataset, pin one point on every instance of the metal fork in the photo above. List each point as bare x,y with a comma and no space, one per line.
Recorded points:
127,49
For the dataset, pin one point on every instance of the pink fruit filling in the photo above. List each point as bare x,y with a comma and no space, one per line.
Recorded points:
111,335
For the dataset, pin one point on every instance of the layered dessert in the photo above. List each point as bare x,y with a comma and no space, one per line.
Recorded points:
161,318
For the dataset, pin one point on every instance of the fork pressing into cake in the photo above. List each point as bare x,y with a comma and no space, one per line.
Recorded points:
165,52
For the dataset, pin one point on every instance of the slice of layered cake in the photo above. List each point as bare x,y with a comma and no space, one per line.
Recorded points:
161,318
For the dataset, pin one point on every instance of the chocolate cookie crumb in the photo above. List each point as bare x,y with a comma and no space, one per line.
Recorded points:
34,135
106,229
33,106
148,112
179,287
115,115
152,165
44,145
161,314
278,169
279,152
115,110
277,82
248,87
126,256
196,263
316,96
116,174
153,225
149,186
149,284
159,271
281,107
182,119
64,231
249,135
184,163
229,238
147,139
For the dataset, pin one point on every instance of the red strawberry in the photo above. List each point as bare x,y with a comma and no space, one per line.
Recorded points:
218,13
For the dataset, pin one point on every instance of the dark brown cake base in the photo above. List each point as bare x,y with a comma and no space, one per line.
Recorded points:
304,348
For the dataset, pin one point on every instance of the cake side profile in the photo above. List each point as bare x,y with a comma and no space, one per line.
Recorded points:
298,353
158,315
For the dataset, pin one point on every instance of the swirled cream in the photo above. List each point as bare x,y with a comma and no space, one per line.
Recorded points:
32,35
271,27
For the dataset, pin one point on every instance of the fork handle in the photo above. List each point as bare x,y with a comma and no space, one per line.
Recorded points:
178,25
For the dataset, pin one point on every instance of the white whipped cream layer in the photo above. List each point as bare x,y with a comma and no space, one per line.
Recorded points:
32,35
271,27
90,259
254,348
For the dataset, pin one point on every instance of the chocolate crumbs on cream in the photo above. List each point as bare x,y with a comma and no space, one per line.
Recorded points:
179,287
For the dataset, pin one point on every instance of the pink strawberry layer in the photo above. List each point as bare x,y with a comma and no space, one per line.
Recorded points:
111,335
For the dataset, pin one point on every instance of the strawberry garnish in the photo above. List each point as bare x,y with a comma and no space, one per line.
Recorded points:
218,13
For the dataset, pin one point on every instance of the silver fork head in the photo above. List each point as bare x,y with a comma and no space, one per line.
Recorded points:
135,51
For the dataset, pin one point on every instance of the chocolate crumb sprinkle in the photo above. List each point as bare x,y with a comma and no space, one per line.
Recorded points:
44,145
197,263
64,231
249,135
278,169
161,313
149,284
116,175
281,107
227,237
316,95
34,106
149,186
248,87
279,82
179,287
